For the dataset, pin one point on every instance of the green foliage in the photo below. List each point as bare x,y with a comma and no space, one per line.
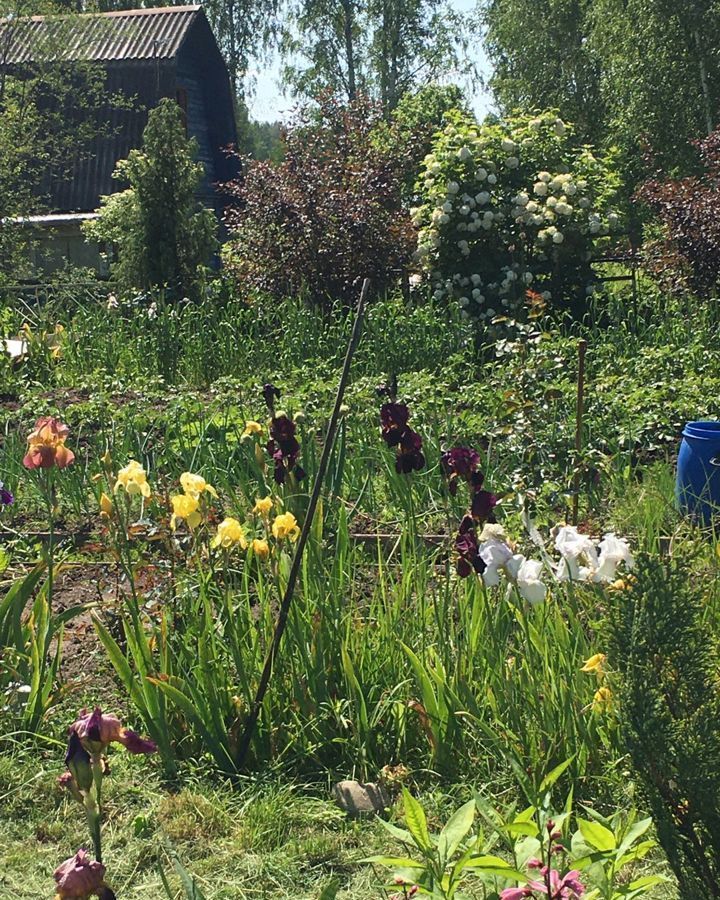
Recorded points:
601,848
163,235
381,49
414,123
446,859
512,206
663,644
541,59
637,74
31,638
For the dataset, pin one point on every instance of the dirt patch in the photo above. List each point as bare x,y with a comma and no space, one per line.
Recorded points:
84,661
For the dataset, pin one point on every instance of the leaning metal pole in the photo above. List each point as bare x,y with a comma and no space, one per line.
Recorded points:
251,722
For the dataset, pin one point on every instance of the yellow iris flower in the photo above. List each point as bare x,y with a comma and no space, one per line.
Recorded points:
286,526
230,534
261,548
595,663
194,485
602,699
133,479
252,428
263,505
106,506
185,506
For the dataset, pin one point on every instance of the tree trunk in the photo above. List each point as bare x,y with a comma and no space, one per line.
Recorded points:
704,82
348,16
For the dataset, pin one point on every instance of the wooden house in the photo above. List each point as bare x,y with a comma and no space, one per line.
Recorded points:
145,55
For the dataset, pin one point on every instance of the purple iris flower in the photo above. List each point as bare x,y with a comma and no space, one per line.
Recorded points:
397,434
410,457
6,497
284,448
282,431
394,421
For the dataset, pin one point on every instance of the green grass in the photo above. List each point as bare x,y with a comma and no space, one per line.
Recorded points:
263,838
389,658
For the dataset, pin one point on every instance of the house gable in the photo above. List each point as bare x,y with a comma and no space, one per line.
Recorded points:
145,54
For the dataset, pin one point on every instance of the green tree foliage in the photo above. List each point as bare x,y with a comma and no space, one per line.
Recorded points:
244,29
660,75
164,236
384,48
542,58
661,643
415,121
639,74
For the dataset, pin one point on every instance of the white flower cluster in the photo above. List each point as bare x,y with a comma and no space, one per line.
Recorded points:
581,560
485,196
493,298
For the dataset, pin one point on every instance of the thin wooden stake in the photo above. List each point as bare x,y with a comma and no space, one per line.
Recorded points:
579,411
244,744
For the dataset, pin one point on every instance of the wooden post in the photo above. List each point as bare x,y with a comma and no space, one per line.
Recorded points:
579,410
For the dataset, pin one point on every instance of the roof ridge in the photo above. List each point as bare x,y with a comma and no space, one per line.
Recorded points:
116,13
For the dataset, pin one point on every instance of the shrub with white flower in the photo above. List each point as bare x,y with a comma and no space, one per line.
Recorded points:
511,216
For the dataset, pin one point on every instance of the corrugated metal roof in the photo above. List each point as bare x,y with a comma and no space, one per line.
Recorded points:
143,34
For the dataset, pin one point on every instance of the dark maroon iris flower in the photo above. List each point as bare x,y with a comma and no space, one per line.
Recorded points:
410,457
270,395
466,546
6,498
397,434
394,421
483,503
284,449
282,431
460,462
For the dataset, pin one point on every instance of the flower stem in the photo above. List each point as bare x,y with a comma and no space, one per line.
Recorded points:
95,816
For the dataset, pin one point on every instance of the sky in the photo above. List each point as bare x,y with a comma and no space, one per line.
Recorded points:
268,104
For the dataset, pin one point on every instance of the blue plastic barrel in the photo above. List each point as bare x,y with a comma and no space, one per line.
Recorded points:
698,471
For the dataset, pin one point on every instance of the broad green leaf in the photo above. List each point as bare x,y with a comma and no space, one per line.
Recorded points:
639,851
400,834
525,849
550,779
329,891
458,825
416,821
597,835
494,865
528,828
583,862
395,862
647,881
637,831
